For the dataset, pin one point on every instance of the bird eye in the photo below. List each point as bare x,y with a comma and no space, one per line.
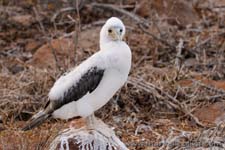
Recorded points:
121,30
110,30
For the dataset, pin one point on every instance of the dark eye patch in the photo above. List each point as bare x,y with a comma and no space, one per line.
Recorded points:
110,30
121,30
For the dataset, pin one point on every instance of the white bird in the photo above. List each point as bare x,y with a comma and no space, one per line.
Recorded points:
93,83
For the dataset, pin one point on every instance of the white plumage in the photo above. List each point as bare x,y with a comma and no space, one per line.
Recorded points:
111,68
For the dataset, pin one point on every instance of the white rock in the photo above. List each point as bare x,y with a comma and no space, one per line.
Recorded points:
100,138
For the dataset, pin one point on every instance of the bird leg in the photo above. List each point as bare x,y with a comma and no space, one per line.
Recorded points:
91,122
98,126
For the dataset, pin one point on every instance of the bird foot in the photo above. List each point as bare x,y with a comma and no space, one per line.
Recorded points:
101,128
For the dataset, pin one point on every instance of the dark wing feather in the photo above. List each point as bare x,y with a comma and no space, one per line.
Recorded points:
87,83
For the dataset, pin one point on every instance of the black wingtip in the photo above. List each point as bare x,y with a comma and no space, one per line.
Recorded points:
26,128
35,122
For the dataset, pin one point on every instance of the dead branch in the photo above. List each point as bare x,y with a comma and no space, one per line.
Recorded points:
136,18
79,4
194,49
174,102
210,87
45,34
61,11
77,31
96,23
178,59
156,37
38,19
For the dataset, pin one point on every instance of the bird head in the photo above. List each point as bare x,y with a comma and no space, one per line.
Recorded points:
113,30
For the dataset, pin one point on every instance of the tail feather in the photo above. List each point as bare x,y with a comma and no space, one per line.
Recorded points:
36,120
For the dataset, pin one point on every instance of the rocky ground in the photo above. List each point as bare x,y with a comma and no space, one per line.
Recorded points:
175,95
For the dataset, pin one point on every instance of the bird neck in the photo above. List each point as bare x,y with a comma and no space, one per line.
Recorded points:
103,41
108,43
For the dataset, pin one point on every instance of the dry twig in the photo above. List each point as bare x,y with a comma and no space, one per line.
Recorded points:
45,34
174,102
79,4
132,16
194,49
178,59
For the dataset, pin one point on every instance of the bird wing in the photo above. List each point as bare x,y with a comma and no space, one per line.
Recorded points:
87,83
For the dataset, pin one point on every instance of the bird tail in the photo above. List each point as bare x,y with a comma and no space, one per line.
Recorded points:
36,120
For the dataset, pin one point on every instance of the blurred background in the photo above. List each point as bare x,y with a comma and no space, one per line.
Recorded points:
174,98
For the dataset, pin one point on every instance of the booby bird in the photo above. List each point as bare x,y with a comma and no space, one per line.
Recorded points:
93,83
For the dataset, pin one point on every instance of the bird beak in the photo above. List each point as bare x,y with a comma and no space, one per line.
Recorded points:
116,34
119,35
